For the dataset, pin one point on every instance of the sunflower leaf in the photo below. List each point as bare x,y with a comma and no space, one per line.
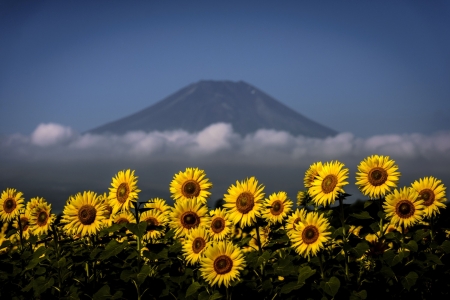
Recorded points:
361,215
102,293
445,246
216,295
367,203
358,295
433,258
421,234
412,245
360,249
304,273
409,280
331,287
290,286
113,248
193,288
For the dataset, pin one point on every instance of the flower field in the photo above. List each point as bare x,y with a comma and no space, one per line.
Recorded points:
394,244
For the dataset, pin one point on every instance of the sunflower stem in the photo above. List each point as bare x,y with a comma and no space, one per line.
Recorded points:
57,253
344,234
321,265
20,234
380,206
258,238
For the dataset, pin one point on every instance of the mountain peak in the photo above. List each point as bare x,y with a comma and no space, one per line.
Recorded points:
205,102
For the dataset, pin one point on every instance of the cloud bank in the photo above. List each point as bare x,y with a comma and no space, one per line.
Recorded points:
57,159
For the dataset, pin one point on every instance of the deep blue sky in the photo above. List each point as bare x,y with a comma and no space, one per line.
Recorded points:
366,67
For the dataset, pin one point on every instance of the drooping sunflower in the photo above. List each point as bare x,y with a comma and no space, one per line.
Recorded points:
312,173
220,224
276,207
377,176
123,191
403,208
41,218
123,217
190,184
187,214
11,202
158,204
24,223
222,263
195,244
83,214
432,192
153,218
328,183
298,216
311,234
244,201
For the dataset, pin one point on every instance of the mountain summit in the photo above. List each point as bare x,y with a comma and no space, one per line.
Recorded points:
201,104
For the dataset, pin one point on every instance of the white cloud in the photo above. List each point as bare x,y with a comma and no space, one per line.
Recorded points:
51,134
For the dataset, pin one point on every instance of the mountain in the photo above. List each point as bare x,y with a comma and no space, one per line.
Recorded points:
201,104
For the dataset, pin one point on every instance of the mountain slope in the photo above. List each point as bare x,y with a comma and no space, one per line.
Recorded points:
201,104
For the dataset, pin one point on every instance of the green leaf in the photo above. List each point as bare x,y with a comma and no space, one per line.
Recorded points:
113,248
267,285
409,280
264,257
412,245
331,287
421,234
360,249
362,215
40,271
290,286
203,296
397,258
192,289
304,273
434,258
216,295
367,203
445,246
358,295
103,293
387,272
126,274
143,274
390,236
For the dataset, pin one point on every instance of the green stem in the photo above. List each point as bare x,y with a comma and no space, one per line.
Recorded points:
258,239
344,235
57,253
321,265
380,207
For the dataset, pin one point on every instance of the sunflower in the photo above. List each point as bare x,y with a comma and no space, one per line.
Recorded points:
276,207
310,235
237,232
153,218
328,183
84,214
11,202
123,191
432,192
377,176
220,224
158,204
107,221
312,173
123,217
195,244
302,197
298,216
244,201
34,202
41,218
222,263
403,207
263,238
24,223
186,215
190,184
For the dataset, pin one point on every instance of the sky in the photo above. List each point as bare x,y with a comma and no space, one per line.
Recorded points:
378,72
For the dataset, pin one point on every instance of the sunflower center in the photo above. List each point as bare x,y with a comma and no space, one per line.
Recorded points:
122,192
405,209
329,183
428,197
310,234
198,244
245,202
218,225
9,205
189,220
87,214
24,223
190,189
151,223
42,218
122,221
377,176
277,208
223,264
296,221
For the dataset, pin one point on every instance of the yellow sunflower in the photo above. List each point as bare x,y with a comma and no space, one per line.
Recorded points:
190,184
220,225
328,183
302,197
24,223
83,214
244,201
153,218
310,235
312,173
158,204
123,191
195,244
11,202
432,192
187,215
298,216
41,218
276,207
237,232
377,176
263,238
222,263
33,203
123,217
107,221
403,207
